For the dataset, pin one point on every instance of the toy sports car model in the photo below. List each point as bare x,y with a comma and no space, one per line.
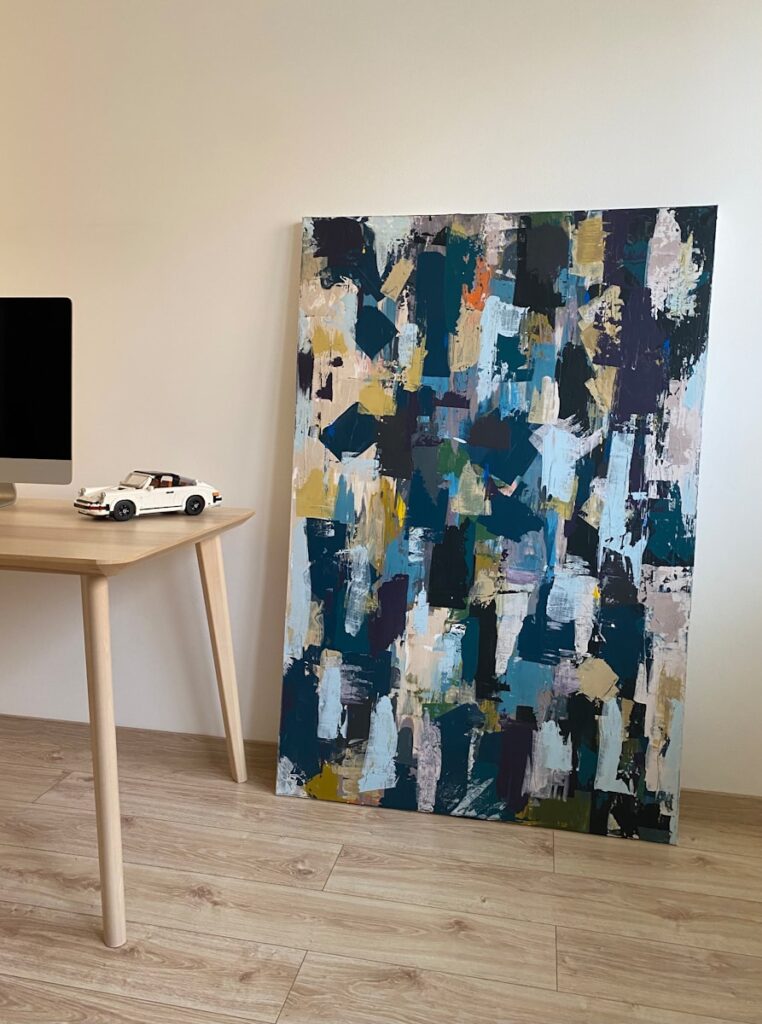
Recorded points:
144,492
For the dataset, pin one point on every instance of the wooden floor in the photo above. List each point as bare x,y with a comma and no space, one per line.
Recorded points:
244,906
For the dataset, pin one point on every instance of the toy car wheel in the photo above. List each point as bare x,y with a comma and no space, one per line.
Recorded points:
122,511
194,505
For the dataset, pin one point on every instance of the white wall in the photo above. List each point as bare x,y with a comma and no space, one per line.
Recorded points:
156,157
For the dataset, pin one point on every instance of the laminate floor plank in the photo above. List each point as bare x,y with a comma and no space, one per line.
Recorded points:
660,867
703,834
670,976
725,808
142,753
624,908
38,1002
245,807
334,990
470,944
174,844
238,978
21,784
422,918
45,743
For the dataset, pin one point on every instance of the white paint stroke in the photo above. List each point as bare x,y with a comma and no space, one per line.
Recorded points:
329,696
498,317
671,271
298,611
610,749
429,763
358,589
378,770
287,782
511,611
613,532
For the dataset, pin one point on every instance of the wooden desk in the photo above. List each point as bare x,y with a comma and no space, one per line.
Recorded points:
50,536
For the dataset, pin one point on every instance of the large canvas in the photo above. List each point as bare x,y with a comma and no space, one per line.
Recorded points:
494,513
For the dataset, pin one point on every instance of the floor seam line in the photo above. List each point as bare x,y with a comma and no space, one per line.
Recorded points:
291,986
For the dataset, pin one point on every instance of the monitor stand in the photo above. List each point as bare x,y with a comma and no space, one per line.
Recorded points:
7,494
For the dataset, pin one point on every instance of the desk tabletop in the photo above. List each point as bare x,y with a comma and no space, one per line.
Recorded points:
39,535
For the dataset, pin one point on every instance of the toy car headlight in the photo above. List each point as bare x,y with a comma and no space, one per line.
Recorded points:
102,496
82,491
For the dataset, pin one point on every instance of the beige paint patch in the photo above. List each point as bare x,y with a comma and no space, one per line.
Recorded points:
669,690
587,249
483,589
465,344
597,680
470,498
315,627
397,278
592,509
536,330
335,305
546,403
421,660
601,387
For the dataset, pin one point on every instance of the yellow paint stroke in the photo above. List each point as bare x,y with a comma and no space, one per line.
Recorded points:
381,521
412,375
377,400
316,497
392,522
465,343
397,278
400,510
587,249
491,718
571,813
596,679
327,339
601,387
324,786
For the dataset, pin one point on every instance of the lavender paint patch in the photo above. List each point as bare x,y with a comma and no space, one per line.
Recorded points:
494,514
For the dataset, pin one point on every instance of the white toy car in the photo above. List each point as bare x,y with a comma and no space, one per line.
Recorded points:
144,492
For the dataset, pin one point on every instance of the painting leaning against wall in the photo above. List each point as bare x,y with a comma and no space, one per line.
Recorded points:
494,510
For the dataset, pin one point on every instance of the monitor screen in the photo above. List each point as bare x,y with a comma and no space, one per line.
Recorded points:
35,379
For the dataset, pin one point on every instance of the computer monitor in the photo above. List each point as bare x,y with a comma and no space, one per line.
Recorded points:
35,393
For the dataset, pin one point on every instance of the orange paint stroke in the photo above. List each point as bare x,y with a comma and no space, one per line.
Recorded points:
476,296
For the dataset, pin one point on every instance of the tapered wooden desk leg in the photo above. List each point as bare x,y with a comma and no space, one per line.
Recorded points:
215,596
103,739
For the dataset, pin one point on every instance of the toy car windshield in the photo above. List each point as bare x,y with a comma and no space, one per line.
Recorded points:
134,480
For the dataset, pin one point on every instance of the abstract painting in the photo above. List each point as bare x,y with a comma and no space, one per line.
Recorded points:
494,513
